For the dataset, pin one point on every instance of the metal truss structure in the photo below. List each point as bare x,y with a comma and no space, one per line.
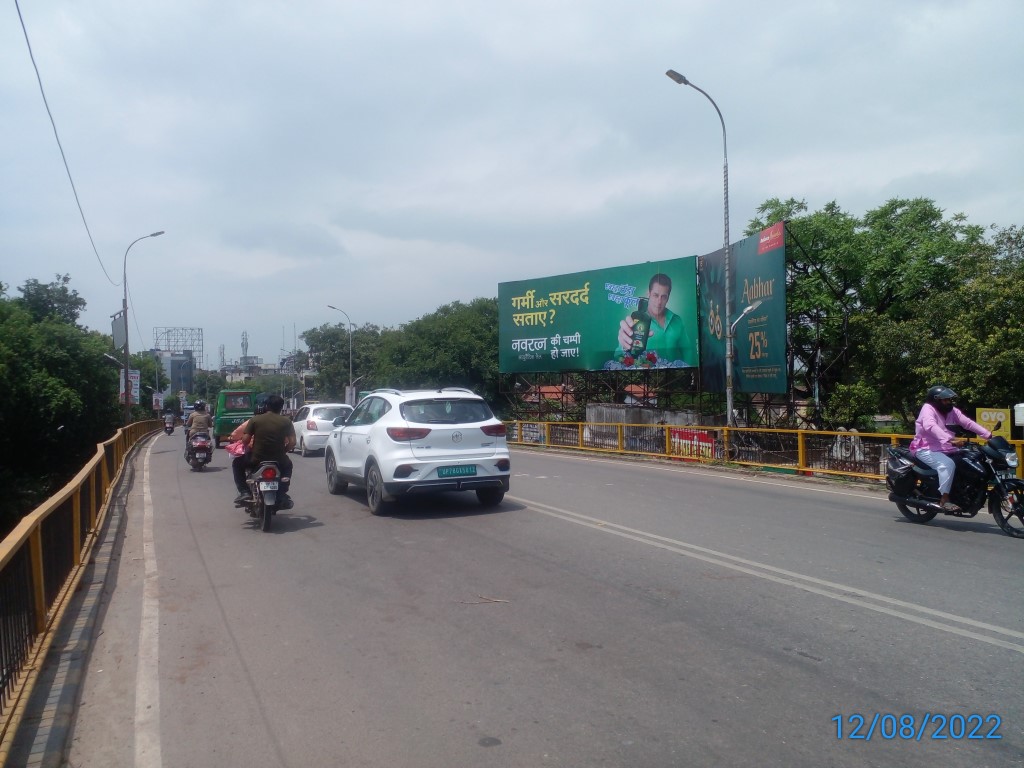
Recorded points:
179,340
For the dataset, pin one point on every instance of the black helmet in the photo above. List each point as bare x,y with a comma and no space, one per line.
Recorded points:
200,405
261,407
940,393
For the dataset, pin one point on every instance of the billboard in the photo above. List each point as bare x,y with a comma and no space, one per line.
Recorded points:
759,348
585,320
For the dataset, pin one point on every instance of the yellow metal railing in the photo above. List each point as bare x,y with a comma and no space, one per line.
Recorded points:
41,562
851,454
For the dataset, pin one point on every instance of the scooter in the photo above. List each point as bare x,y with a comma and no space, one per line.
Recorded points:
169,427
985,476
198,451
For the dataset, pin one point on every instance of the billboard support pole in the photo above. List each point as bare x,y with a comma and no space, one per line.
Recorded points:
728,325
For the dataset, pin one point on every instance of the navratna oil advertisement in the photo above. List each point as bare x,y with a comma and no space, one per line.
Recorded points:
620,318
647,316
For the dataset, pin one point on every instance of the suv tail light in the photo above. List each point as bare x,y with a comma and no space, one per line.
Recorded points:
311,426
494,430
403,434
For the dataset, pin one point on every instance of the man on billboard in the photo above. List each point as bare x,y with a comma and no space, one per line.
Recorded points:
665,331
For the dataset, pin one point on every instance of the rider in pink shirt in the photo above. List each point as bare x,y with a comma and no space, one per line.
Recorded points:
934,440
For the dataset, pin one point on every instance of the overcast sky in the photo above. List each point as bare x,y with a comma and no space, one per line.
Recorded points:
390,157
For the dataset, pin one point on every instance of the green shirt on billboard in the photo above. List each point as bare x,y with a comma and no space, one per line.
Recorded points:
666,341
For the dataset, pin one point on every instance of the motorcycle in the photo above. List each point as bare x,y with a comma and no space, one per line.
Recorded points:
985,475
262,503
198,451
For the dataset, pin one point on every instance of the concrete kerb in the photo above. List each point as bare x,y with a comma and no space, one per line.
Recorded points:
41,740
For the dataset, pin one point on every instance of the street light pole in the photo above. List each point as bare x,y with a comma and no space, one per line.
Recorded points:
350,382
124,315
729,421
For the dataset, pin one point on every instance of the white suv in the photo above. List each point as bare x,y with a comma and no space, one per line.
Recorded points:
398,443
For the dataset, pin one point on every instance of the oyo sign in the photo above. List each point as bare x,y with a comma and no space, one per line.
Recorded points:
989,417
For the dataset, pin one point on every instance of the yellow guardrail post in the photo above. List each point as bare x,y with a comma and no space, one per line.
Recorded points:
35,556
801,450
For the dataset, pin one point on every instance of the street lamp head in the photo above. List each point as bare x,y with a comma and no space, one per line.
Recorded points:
157,234
753,306
677,77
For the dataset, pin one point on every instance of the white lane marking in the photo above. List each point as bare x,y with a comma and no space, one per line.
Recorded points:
840,592
793,486
147,681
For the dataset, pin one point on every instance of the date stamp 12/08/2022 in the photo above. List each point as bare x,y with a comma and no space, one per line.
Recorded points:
926,727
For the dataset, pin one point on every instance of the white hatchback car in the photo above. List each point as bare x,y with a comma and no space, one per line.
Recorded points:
399,443
313,423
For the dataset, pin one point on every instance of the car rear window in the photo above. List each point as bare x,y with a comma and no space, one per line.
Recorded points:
329,414
443,411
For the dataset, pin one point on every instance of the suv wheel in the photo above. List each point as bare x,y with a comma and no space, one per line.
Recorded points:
335,485
374,490
490,497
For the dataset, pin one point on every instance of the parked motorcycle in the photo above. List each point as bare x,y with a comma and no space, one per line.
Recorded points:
198,451
263,483
985,475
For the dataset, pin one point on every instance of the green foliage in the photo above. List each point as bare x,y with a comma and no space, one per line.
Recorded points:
51,300
455,346
60,400
895,301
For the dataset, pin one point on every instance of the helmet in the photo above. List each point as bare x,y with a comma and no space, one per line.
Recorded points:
200,405
941,392
261,407
941,397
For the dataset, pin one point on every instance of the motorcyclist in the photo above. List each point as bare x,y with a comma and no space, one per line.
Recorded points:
934,442
169,419
199,421
272,435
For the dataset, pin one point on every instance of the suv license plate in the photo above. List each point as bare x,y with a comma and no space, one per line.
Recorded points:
268,485
458,471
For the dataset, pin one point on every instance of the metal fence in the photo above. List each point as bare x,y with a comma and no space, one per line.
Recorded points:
852,454
41,561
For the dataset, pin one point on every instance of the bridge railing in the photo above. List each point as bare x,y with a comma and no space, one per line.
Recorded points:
41,561
851,454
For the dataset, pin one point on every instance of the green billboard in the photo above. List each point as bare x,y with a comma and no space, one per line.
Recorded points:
634,317
759,349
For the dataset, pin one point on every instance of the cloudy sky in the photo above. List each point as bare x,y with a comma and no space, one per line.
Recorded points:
389,157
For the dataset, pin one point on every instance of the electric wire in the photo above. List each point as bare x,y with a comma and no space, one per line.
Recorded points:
53,123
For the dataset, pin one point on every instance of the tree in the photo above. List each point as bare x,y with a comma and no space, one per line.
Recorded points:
60,400
868,301
52,300
455,346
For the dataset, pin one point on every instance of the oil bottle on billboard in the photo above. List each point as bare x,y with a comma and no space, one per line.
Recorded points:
641,329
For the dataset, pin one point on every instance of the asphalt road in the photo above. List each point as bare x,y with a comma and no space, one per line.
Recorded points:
609,613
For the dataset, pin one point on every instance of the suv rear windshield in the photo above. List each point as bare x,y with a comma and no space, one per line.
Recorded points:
441,411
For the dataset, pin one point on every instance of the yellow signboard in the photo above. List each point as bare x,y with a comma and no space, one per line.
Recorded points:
990,417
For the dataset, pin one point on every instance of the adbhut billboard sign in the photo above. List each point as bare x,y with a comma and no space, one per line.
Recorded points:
759,348
572,322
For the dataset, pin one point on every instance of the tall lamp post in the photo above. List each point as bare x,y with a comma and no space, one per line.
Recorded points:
350,382
124,315
729,421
